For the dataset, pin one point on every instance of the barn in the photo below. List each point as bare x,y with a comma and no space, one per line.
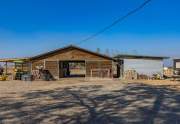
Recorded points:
69,61
142,65
59,63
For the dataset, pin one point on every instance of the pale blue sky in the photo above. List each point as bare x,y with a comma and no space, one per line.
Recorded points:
34,26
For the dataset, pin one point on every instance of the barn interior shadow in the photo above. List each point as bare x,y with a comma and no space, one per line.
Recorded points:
132,104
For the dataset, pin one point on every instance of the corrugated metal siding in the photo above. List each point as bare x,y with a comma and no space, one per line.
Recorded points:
142,66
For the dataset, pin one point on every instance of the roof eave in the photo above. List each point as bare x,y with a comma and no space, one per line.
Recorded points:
69,47
139,57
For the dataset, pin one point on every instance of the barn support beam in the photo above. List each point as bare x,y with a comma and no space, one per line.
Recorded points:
6,68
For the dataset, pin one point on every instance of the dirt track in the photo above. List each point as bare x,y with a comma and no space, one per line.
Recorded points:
93,102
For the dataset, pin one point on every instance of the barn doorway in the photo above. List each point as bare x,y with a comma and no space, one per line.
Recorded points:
120,69
69,69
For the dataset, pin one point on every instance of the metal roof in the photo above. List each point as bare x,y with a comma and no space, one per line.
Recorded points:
178,60
14,59
128,56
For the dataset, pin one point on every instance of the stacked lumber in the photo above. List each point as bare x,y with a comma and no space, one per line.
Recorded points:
143,77
168,72
130,75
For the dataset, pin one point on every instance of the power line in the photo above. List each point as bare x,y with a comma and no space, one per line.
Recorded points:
115,22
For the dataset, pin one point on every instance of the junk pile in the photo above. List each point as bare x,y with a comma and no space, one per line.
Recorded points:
3,77
42,74
176,76
134,75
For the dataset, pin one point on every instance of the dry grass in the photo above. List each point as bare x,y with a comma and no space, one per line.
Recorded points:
75,101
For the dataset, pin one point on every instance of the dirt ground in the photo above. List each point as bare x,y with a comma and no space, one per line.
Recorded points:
79,101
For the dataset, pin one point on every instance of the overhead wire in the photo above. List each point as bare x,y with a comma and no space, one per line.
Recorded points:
120,19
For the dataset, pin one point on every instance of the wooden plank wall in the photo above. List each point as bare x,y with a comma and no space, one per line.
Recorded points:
53,67
37,63
92,61
98,65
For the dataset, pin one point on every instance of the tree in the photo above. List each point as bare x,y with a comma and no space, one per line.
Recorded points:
107,52
98,50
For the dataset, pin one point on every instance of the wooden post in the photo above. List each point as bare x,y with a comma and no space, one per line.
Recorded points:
58,70
31,67
6,68
44,66
22,66
91,73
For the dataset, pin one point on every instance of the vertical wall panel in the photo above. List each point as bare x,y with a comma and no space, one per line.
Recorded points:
178,65
143,66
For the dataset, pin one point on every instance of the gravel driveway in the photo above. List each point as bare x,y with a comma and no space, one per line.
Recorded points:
89,102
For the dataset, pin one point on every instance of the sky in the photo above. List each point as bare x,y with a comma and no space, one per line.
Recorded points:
31,27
